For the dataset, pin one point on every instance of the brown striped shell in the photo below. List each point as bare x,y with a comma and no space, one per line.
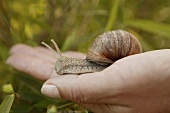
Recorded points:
113,45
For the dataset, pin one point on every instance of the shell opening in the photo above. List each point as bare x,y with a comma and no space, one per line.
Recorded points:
57,53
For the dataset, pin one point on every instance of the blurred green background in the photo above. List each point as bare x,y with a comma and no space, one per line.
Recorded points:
73,24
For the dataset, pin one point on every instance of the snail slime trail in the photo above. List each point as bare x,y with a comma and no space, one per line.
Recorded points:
104,51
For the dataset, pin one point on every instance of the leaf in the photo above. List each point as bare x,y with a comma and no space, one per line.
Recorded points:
42,103
6,104
52,109
151,26
113,16
7,88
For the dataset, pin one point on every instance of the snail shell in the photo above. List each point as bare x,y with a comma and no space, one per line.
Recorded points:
105,50
112,46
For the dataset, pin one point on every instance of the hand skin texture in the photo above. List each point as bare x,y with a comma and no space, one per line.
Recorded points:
135,84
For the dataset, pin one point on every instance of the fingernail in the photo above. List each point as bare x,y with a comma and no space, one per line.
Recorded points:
51,91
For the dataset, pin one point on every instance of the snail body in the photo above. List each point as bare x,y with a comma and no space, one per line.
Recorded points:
105,50
77,66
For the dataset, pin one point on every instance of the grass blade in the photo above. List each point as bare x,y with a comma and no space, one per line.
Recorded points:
113,16
69,41
151,26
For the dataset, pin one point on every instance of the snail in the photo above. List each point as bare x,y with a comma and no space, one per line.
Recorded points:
105,50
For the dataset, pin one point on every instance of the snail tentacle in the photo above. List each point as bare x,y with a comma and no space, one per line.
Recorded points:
58,53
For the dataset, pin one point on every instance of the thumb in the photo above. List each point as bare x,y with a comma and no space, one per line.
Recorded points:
85,88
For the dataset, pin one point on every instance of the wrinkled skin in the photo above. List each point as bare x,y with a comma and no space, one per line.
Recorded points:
135,84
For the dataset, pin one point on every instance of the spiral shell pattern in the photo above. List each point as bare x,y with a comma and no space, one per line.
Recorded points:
113,45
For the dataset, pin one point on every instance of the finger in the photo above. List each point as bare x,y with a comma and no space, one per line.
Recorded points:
40,53
21,48
36,67
44,50
30,51
86,88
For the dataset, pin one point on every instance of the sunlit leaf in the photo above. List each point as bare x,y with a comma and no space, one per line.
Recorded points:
52,109
7,103
7,88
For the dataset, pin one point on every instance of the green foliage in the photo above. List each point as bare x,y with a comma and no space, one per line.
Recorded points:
7,88
73,24
152,27
7,103
113,16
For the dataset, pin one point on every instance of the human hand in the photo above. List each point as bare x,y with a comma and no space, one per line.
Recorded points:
135,84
